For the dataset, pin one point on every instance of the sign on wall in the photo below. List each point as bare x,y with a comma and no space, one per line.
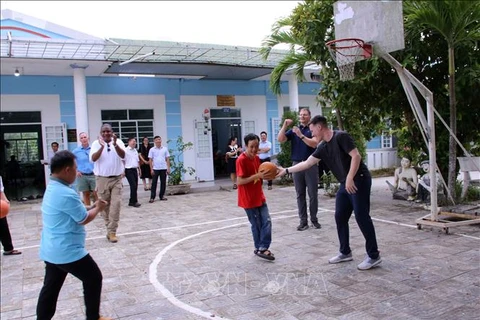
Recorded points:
226,101
72,135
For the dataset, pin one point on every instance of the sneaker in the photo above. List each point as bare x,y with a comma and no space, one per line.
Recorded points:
341,258
369,263
302,227
316,225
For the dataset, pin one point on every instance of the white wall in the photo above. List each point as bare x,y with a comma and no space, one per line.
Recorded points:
97,103
47,104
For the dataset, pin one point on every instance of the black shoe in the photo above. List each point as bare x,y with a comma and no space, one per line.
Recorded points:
136,205
302,227
316,225
163,199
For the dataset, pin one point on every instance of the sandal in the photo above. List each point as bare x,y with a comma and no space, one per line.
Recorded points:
11,253
265,254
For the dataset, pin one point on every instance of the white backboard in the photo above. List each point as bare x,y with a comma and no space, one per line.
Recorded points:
375,22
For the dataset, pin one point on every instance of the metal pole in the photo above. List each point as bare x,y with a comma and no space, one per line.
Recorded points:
429,128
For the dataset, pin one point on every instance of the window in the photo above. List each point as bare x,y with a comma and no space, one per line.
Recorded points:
136,123
276,125
225,113
386,140
21,117
23,145
249,127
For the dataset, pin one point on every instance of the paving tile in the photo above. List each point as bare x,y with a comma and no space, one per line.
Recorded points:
207,264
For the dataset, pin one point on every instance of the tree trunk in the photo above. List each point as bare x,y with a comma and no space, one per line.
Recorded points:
452,145
339,119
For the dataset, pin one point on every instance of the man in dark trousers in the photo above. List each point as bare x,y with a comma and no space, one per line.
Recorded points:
342,157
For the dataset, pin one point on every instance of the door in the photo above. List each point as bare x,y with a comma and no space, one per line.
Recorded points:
203,150
53,133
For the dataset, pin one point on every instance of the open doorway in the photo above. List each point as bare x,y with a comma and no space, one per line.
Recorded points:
226,123
21,170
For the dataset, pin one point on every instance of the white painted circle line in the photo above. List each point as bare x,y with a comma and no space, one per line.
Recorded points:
167,293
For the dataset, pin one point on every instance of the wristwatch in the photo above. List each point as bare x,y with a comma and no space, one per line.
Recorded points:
303,137
286,171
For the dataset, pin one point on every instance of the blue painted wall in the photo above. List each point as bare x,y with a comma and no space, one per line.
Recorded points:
375,143
171,88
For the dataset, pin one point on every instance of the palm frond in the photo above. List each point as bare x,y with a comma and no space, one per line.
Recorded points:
295,60
282,37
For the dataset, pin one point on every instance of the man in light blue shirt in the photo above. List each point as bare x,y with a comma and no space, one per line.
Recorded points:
85,176
62,244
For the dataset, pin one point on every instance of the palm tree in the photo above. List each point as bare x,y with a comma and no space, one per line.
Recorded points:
457,22
295,59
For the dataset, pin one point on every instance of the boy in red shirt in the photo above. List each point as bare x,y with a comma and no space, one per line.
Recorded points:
251,197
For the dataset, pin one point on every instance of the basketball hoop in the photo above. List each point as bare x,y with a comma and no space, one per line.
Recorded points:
346,52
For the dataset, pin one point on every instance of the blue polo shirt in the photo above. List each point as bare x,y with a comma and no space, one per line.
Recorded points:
300,150
63,237
83,160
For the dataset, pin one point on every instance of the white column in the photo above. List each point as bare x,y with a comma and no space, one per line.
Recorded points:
293,92
80,93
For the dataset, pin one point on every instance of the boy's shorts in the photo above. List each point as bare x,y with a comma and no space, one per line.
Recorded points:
86,183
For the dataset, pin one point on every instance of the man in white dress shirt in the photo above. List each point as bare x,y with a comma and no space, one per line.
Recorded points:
107,154
131,171
265,152
159,158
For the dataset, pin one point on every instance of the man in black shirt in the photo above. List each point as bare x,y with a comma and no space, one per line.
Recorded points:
342,157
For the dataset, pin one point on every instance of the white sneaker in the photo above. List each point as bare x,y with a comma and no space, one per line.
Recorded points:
369,263
341,258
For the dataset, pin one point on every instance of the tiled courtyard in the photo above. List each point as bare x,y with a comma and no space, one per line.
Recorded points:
191,257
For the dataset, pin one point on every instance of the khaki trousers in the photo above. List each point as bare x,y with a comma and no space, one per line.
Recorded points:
110,190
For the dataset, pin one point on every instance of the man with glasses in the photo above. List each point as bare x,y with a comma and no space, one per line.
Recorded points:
107,154
303,145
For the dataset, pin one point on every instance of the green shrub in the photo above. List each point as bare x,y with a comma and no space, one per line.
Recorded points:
284,156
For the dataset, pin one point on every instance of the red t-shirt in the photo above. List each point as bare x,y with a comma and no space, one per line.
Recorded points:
250,195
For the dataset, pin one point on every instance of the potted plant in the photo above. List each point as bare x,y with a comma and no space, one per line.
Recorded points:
177,168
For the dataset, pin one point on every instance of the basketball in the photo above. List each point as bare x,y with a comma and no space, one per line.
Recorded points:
4,208
270,169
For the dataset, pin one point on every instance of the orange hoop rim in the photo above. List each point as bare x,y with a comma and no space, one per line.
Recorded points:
336,45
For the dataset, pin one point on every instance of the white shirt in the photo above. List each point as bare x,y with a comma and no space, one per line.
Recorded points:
131,158
262,145
159,157
50,155
109,163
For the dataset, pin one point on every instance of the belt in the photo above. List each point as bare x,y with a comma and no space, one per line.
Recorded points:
110,176
87,174
131,168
